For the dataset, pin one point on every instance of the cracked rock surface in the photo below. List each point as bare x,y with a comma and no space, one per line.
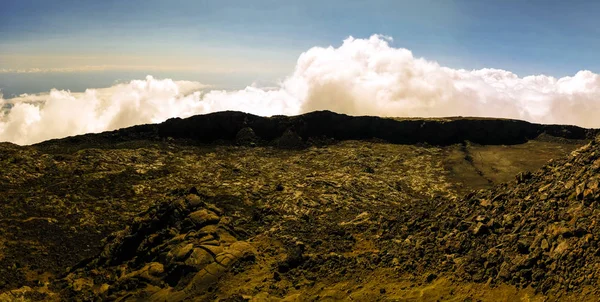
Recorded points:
174,251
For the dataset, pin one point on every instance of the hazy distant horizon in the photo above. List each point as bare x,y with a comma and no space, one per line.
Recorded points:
70,67
14,84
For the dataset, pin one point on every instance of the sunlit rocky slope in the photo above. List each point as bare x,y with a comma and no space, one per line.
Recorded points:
235,207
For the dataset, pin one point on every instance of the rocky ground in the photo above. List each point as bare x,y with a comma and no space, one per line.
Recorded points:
276,209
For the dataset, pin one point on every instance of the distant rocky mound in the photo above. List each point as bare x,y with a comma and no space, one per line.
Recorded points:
323,126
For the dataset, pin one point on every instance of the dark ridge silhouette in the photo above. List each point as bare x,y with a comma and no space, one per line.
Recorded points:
224,126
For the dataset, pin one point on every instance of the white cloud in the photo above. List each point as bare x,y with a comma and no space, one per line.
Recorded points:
361,77
35,118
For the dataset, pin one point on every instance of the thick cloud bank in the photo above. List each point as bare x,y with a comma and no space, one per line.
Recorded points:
361,77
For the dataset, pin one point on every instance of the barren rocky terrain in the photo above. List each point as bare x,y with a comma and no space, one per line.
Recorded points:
318,207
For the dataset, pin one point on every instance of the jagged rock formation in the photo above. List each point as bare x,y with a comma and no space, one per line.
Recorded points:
539,231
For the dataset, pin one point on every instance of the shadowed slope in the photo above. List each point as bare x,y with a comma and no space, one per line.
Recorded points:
224,126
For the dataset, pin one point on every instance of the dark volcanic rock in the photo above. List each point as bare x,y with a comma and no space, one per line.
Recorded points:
290,140
246,137
322,125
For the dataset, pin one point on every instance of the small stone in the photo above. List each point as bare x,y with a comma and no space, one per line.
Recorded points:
523,176
203,217
596,164
579,190
103,288
485,203
523,246
508,220
569,184
193,200
593,185
504,271
369,170
544,188
481,218
480,229
560,249
430,277
544,245
155,268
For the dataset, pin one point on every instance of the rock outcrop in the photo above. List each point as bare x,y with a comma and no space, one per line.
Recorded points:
174,251
541,230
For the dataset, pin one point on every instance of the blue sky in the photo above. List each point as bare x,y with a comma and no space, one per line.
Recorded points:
233,43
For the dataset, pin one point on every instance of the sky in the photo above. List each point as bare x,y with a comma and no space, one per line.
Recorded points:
261,40
77,45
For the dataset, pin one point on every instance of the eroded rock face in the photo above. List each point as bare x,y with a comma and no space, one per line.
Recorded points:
172,252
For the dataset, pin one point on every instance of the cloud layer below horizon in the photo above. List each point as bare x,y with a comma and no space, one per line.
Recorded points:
361,77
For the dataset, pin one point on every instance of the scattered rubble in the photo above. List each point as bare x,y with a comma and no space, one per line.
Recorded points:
291,208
